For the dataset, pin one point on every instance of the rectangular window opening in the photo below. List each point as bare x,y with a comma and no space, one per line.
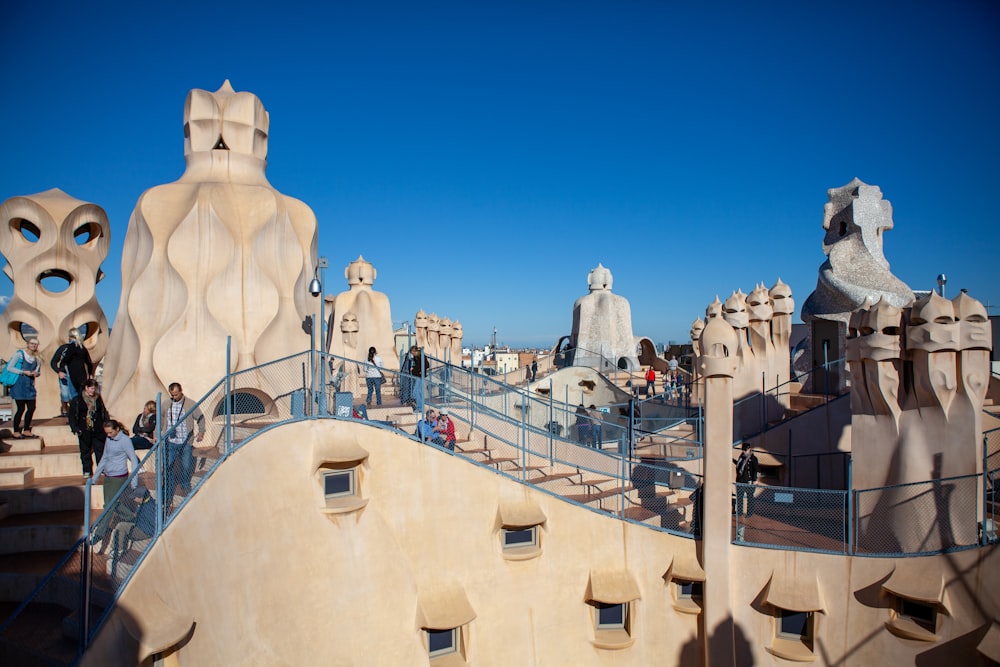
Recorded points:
521,537
924,615
796,625
611,616
442,642
338,483
689,590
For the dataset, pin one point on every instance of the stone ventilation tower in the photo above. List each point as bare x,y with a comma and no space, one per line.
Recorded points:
762,322
918,383
602,326
363,316
855,272
54,245
217,253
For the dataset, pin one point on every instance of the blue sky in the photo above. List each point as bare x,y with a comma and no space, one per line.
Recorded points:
485,156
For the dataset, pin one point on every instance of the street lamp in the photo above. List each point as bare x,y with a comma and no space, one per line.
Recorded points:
316,289
941,281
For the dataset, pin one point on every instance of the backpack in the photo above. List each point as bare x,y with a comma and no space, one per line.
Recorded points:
8,377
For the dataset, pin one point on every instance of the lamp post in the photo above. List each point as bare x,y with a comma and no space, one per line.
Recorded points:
316,289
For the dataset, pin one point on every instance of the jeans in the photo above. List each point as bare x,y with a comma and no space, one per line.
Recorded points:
744,496
374,384
180,465
405,388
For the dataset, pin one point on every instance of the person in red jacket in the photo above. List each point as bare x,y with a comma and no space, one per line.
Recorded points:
650,382
446,427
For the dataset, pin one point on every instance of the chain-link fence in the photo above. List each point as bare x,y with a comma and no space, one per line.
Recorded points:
918,518
791,518
640,461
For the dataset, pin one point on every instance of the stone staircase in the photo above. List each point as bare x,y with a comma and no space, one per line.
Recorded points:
670,508
42,492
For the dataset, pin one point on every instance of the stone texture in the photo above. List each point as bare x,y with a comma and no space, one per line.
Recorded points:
53,235
602,326
217,253
361,318
856,269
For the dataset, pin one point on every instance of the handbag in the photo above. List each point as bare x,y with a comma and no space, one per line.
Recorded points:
8,377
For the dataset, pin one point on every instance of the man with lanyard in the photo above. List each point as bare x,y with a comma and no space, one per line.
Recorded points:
179,433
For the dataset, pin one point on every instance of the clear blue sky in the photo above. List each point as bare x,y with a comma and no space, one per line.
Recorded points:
485,156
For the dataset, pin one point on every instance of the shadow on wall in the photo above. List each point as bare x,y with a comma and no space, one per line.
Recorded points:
718,647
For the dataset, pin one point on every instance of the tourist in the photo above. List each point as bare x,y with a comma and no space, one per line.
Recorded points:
87,416
414,368
427,428
181,417
650,382
374,377
673,365
25,365
72,361
746,475
446,427
534,369
144,428
137,524
114,464
596,426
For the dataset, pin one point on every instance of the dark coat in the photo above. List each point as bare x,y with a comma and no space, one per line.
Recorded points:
74,360
78,416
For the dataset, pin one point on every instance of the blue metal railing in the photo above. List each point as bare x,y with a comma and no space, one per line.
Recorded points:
636,488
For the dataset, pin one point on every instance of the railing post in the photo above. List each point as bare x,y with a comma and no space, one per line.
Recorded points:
506,391
524,439
984,479
85,574
311,401
229,396
472,401
551,424
850,506
161,465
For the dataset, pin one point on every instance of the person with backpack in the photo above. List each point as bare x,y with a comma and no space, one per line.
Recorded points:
73,364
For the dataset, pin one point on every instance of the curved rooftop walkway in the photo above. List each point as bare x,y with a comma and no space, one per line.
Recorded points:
501,427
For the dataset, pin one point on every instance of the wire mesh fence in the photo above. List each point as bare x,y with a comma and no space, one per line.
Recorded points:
791,518
640,461
919,518
991,498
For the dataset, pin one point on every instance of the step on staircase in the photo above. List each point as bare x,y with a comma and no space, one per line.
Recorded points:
42,492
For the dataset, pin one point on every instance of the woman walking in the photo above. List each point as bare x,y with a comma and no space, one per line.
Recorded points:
118,453
87,415
25,365
374,377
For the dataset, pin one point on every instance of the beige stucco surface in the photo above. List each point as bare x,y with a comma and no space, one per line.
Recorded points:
217,253
51,234
269,578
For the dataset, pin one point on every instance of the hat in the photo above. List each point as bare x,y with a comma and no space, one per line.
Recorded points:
443,411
